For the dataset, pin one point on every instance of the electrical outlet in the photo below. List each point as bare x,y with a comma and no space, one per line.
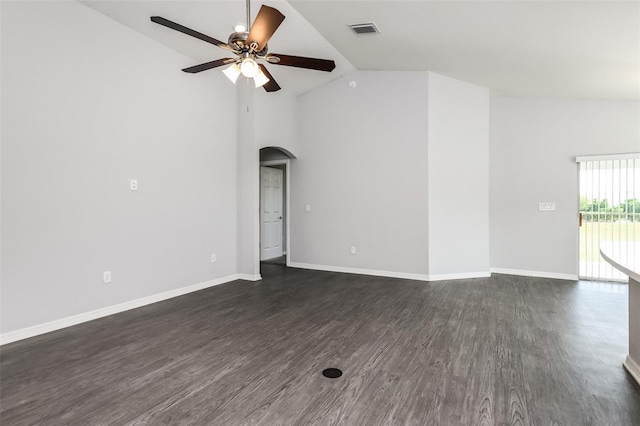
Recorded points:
106,277
546,207
133,184
213,258
353,249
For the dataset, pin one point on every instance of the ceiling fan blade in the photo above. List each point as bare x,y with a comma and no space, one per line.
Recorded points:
301,62
265,24
208,65
271,85
174,26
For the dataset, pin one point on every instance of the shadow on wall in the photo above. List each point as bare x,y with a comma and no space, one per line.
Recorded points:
271,153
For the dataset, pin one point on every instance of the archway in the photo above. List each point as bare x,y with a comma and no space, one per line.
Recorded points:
271,153
274,194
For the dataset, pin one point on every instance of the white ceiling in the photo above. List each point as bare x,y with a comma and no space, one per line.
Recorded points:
216,18
580,49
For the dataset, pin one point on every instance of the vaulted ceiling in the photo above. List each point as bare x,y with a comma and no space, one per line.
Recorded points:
216,19
579,49
582,49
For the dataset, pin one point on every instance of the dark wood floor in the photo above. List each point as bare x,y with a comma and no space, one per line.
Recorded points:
498,351
281,260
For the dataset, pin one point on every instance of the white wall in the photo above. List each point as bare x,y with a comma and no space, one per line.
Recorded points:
362,165
275,120
533,147
458,178
264,119
248,178
88,104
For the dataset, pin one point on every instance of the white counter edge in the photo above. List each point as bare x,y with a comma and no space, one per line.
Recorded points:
631,274
632,368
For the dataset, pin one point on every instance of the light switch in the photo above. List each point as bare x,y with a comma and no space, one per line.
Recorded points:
546,207
307,208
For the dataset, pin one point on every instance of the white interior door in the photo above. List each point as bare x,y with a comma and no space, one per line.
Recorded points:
271,199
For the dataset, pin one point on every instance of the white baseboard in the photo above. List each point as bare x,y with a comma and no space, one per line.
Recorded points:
463,276
535,274
633,368
390,274
47,327
249,277
437,277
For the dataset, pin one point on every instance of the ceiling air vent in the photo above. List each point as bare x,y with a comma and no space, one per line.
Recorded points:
366,28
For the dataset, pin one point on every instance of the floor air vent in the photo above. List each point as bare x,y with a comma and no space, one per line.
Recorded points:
332,373
366,28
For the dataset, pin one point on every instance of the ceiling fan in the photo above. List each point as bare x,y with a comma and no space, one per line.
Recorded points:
249,44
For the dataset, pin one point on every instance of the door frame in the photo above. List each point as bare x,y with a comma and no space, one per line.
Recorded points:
287,200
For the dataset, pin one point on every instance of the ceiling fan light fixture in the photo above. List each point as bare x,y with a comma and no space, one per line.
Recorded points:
232,72
260,79
249,68
248,44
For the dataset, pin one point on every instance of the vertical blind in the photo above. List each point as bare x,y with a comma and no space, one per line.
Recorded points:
609,214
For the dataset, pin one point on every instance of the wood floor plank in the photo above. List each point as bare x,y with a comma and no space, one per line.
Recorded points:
503,350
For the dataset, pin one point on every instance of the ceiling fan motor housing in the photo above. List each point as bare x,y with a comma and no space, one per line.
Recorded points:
238,41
